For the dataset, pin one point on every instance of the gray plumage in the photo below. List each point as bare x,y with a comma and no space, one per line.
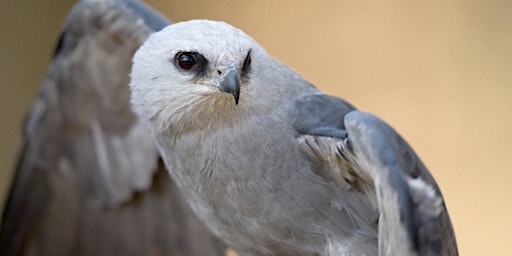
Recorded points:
272,165
89,180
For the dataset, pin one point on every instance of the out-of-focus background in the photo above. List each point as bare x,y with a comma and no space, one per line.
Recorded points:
440,72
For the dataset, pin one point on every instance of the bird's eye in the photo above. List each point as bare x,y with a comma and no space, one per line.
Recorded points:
186,60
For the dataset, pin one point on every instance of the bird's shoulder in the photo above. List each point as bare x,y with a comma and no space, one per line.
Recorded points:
318,123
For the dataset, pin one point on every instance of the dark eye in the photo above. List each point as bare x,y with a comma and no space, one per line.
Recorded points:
186,60
247,62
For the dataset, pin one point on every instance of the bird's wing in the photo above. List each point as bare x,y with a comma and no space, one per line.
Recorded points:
366,154
88,180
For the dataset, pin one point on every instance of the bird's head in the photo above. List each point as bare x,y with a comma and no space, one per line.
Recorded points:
191,72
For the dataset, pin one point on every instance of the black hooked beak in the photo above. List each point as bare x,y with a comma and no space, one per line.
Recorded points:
230,83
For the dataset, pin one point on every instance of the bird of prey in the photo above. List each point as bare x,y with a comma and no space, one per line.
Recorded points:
89,180
272,165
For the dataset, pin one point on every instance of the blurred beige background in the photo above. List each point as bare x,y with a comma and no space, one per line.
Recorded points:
439,71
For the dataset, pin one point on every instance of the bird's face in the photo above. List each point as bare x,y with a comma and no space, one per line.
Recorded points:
192,70
222,74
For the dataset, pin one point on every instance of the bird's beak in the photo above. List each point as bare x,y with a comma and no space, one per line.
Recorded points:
230,83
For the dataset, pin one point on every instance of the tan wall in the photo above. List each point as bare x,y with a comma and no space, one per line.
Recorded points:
439,71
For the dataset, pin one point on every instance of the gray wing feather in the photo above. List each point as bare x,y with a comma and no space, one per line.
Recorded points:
371,157
88,180
313,109
152,19
413,216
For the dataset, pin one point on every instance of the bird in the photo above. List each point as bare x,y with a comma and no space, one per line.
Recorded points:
274,166
89,180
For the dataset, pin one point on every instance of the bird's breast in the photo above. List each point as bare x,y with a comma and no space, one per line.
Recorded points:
246,183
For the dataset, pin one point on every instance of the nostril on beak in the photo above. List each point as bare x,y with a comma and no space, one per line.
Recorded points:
219,72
